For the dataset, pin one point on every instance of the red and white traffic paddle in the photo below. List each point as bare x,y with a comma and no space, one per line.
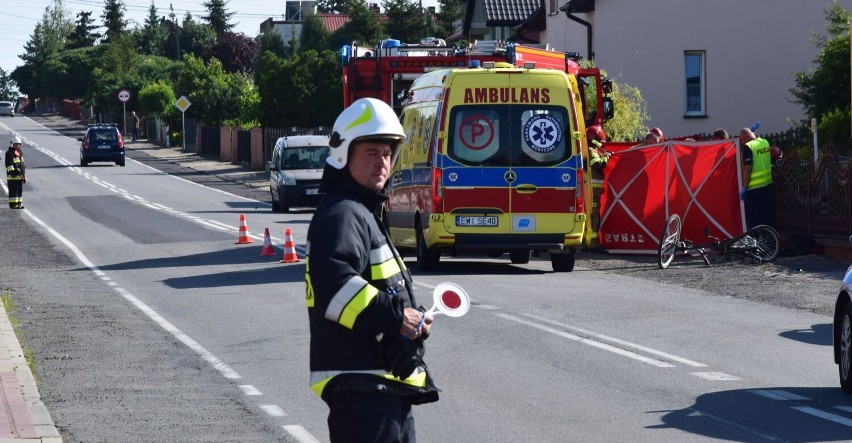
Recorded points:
450,299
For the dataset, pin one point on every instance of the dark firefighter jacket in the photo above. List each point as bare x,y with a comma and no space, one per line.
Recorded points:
357,288
15,169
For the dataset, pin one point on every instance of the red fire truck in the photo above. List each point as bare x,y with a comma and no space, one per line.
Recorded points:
387,70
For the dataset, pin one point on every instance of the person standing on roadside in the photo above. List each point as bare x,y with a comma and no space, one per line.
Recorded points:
756,189
136,123
15,173
366,350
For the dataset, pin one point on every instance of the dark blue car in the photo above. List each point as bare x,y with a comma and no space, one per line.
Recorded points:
102,143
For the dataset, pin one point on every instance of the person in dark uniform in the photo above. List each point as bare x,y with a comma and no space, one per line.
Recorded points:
15,173
366,350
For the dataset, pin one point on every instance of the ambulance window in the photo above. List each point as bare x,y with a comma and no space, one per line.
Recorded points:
541,135
476,138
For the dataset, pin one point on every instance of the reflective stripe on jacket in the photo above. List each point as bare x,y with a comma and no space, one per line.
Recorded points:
14,165
761,167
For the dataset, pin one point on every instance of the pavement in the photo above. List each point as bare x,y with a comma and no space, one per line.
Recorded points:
23,415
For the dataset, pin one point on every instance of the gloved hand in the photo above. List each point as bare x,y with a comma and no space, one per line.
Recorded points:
401,356
742,194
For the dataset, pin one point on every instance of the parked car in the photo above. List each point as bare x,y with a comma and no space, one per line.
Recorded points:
295,171
7,108
102,143
842,332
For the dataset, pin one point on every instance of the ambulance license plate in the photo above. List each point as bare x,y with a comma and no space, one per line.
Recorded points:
476,221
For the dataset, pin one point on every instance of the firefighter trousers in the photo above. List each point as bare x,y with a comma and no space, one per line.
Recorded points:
16,192
369,416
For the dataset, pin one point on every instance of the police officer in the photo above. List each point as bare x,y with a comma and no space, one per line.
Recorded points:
756,188
366,351
15,173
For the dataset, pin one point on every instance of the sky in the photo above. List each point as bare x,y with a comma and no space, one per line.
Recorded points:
18,18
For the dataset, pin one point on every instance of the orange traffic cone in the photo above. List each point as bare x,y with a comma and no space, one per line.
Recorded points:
267,244
244,237
289,248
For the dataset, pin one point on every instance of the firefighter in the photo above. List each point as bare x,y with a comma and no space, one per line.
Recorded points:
15,173
756,189
598,158
366,349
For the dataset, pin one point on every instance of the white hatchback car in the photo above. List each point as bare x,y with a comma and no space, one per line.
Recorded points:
7,108
842,332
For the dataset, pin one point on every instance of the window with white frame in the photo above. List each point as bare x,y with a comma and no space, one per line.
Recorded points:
695,84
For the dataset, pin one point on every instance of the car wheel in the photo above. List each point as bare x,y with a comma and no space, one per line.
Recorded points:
83,162
521,257
845,340
563,262
427,259
275,206
120,163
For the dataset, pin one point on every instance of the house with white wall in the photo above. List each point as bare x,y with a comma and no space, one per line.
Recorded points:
699,64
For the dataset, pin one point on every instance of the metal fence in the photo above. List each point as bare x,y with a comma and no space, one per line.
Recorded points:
814,198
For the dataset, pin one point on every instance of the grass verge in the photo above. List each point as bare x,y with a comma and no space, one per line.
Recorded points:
28,353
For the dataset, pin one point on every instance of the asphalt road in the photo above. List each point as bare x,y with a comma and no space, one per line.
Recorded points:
107,372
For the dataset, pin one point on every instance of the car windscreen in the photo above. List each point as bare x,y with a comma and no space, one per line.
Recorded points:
509,135
304,157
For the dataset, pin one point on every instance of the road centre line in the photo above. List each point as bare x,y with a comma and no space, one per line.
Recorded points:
588,341
273,410
250,390
600,337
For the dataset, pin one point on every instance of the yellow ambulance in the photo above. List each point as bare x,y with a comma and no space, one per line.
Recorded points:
493,164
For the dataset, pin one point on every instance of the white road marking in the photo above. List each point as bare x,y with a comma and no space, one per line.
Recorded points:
601,337
845,408
273,410
597,344
715,376
250,390
778,394
845,421
300,434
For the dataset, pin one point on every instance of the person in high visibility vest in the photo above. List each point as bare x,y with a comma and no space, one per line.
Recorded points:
15,173
756,189
366,350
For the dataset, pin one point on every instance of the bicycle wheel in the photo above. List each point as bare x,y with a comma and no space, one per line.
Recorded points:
767,243
669,241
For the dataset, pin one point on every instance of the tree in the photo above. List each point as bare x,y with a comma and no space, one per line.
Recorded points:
8,89
290,87
195,38
270,40
631,109
217,17
363,27
48,38
332,6
824,91
114,21
84,34
158,99
314,35
449,13
406,20
214,93
152,36
236,51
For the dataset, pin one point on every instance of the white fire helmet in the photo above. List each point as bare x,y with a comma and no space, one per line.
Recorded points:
364,119
15,141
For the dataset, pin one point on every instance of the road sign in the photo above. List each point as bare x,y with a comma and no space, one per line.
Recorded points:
124,95
183,103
